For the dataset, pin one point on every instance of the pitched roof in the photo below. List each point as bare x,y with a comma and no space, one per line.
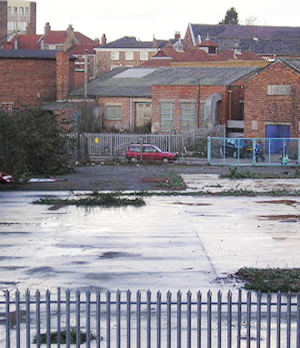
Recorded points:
268,40
55,37
198,55
26,41
132,42
294,63
138,82
28,54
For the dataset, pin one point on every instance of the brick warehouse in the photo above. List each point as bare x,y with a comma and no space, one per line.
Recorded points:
34,77
248,100
272,100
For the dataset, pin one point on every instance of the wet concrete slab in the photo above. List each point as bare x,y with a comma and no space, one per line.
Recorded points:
186,243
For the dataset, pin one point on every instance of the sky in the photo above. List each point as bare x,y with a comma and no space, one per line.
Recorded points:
159,18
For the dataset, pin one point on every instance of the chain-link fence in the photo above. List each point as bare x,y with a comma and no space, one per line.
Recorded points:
254,151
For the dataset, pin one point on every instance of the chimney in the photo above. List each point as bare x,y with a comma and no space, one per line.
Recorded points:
47,29
97,41
103,40
70,32
154,42
177,35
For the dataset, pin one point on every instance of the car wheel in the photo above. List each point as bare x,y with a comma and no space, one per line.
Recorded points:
166,160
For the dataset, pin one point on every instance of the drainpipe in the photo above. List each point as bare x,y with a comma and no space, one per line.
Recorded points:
230,102
198,105
86,73
130,115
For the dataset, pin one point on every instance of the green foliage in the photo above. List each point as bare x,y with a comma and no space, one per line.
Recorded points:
270,279
234,173
173,181
93,200
30,143
63,337
231,17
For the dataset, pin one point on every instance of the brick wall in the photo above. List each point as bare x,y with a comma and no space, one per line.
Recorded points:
65,75
178,94
188,40
3,21
262,109
27,82
104,61
124,123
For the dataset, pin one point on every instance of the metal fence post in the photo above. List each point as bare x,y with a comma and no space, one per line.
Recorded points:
179,319
209,150
18,322
258,320
58,317
229,319
48,319
278,344
78,335
148,319
209,319
128,309
199,318
158,320
27,300
169,311
68,314
7,319
108,296
189,319
38,318
219,319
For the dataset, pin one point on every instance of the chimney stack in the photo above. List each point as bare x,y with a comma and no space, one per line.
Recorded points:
177,35
103,40
47,29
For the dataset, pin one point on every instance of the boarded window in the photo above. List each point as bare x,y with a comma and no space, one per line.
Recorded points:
279,90
113,112
167,116
187,116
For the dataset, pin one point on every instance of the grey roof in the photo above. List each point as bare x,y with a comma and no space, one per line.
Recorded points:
28,54
294,63
57,106
132,42
117,83
270,40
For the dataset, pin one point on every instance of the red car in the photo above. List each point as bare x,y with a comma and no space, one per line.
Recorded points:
6,178
150,153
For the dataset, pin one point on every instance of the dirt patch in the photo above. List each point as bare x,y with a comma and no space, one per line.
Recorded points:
192,204
117,254
281,201
281,217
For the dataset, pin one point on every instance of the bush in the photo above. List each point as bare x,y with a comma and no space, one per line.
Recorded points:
30,143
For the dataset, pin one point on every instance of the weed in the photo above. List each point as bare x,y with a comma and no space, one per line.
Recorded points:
92,200
270,279
234,173
63,337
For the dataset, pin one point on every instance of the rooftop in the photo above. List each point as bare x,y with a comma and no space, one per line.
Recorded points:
138,82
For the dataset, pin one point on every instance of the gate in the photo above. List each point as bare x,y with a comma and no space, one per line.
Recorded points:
254,151
116,319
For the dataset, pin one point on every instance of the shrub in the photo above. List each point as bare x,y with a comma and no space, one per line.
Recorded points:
30,142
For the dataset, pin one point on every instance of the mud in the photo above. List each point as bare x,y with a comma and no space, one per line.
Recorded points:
280,201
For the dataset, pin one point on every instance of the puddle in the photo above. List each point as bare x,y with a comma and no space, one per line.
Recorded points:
280,201
11,268
117,254
12,233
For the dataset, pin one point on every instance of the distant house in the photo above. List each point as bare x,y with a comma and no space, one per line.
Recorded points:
34,77
266,41
207,53
128,52
75,43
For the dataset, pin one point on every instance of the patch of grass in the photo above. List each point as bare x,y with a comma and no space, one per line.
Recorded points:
92,200
63,337
270,279
173,181
234,173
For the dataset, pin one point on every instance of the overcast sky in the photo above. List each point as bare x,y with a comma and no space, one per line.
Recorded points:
144,19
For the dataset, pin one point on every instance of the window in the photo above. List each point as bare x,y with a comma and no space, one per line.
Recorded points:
204,113
113,112
9,10
21,11
114,55
15,10
187,116
167,116
128,55
279,90
143,55
11,25
22,25
27,11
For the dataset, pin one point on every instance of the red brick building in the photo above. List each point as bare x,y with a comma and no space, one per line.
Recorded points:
34,77
272,101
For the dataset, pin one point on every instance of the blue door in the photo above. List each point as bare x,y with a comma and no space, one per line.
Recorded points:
277,131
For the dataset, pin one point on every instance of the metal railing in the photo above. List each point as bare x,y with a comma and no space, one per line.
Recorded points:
254,151
115,319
